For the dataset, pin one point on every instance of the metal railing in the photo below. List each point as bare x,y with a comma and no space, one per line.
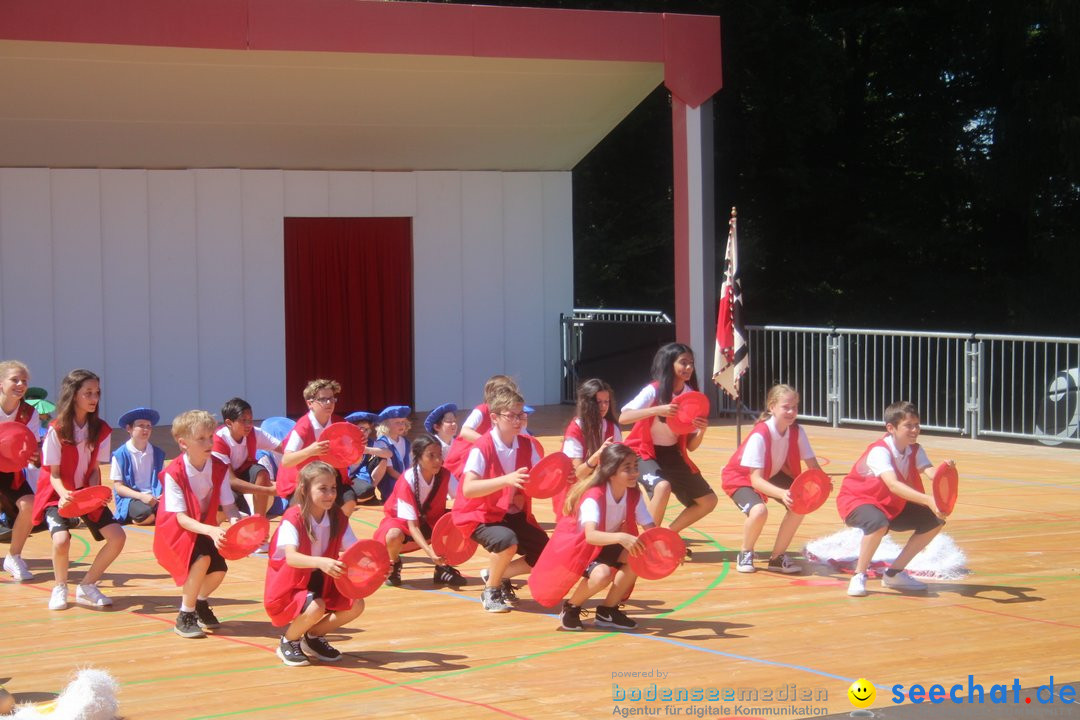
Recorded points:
1008,386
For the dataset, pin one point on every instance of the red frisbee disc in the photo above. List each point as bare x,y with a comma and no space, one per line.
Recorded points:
663,551
17,446
347,444
85,501
448,541
809,491
691,405
946,490
244,537
549,476
366,566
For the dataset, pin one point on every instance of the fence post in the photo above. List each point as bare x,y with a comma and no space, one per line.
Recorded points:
973,386
834,377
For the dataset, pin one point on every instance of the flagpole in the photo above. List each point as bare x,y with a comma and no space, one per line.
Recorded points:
738,413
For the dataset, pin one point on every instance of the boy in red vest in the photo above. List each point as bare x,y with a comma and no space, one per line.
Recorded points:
303,444
188,536
235,444
884,491
491,506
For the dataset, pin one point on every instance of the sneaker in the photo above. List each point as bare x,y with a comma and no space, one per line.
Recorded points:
571,617
492,600
745,563
206,618
58,599
613,617
90,595
508,594
15,565
903,581
290,653
784,564
447,575
318,647
394,578
187,625
857,586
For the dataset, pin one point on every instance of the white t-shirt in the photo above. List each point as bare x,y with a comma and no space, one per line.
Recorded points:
202,484
405,510
507,459
473,420
34,424
572,448
878,460
295,442
289,535
660,432
143,463
50,452
614,512
754,453
238,450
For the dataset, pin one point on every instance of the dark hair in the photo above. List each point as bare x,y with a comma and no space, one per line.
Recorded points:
895,413
420,444
65,408
663,370
234,408
592,426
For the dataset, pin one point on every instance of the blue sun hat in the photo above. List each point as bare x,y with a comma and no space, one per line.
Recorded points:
362,416
139,413
277,427
436,416
394,412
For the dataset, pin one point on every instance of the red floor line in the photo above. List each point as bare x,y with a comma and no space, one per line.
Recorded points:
1018,617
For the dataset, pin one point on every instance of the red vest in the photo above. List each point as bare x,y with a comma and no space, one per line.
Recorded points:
491,508
286,477
46,495
568,553
285,588
172,543
640,439
23,414
404,491
222,448
861,487
574,432
735,475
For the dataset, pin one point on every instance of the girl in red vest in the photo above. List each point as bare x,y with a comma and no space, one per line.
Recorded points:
413,508
666,467
764,466
76,445
592,429
16,495
299,592
599,530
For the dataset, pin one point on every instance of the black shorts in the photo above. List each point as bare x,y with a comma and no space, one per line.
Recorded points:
609,555
57,523
362,488
669,465
514,529
314,588
747,497
204,546
138,511
870,519
9,497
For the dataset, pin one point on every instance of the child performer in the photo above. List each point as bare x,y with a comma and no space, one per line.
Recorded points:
492,508
76,445
367,473
665,461
303,444
417,503
884,491
764,466
442,424
299,593
476,424
136,469
16,495
393,424
188,536
236,443
588,433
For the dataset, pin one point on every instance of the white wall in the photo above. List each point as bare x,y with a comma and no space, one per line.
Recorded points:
169,283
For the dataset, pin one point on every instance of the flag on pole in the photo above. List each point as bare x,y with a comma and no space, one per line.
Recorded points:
732,354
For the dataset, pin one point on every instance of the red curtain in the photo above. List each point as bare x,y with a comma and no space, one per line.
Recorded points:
348,310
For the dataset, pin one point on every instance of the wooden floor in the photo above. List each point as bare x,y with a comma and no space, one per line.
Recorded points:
421,652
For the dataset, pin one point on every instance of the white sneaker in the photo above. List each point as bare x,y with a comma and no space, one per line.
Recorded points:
857,586
745,561
15,565
58,598
90,595
903,581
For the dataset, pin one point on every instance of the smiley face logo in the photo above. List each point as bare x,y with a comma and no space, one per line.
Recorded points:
862,693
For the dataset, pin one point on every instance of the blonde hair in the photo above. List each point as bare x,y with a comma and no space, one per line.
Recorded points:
7,366
494,383
613,456
504,398
308,475
187,423
775,393
313,387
